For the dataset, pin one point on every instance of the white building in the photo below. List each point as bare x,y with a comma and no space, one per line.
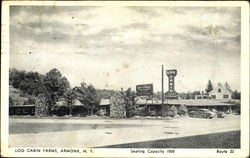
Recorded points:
201,96
221,92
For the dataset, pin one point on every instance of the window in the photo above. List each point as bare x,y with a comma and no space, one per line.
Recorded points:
199,98
25,111
219,90
213,96
225,96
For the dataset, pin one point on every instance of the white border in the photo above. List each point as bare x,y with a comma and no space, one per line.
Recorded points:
243,152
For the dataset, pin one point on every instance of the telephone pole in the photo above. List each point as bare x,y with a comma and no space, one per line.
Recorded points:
162,89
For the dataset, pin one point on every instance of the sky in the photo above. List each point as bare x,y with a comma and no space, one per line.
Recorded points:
114,47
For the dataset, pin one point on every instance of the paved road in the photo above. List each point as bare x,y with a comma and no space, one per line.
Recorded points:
102,132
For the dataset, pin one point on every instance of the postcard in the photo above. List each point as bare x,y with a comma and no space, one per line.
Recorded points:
125,79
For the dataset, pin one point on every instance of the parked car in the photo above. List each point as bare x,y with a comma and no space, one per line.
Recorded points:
220,114
203,113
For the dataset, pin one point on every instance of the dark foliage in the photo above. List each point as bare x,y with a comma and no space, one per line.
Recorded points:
87,95
52,86
30,83
104,93
209,86
130,103
236,95
56,86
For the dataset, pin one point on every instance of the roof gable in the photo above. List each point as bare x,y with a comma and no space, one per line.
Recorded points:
104,102
220,86
76,102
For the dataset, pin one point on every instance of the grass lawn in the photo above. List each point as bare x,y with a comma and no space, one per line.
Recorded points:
217,140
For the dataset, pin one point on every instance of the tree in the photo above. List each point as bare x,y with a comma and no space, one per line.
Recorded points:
209,86
89,97
237,108
182,95
15,77
130,103
93,98
52,86
55,83
104,93
56,86
70,97
30,83
189,95
158,95
236,95
195,93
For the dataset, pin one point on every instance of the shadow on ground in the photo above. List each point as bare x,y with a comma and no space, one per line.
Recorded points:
216,140
22,128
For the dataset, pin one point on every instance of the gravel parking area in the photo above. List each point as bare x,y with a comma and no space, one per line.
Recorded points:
35,132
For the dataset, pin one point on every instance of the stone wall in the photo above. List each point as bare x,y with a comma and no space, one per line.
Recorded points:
117,105
40,106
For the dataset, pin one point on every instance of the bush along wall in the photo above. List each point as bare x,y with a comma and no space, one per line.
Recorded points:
172,111
182,110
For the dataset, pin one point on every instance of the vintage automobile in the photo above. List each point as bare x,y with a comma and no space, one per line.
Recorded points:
203,113
220,114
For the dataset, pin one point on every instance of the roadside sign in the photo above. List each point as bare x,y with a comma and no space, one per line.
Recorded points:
144,90
171,72
171,94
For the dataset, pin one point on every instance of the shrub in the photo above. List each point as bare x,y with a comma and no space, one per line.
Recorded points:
140,111
102,112
182,110
172,111
237,108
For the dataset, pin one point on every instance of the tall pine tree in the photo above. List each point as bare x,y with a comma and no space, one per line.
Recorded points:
209,86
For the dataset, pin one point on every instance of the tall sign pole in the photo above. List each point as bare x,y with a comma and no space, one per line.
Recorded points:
171,93
162,89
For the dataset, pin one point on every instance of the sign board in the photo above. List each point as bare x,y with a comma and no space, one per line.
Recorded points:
144,90
171,72
171,94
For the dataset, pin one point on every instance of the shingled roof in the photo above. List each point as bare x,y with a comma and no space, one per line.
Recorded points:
104,102
187,102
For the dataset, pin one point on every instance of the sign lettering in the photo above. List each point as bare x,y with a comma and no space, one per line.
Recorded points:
144,90
171,94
